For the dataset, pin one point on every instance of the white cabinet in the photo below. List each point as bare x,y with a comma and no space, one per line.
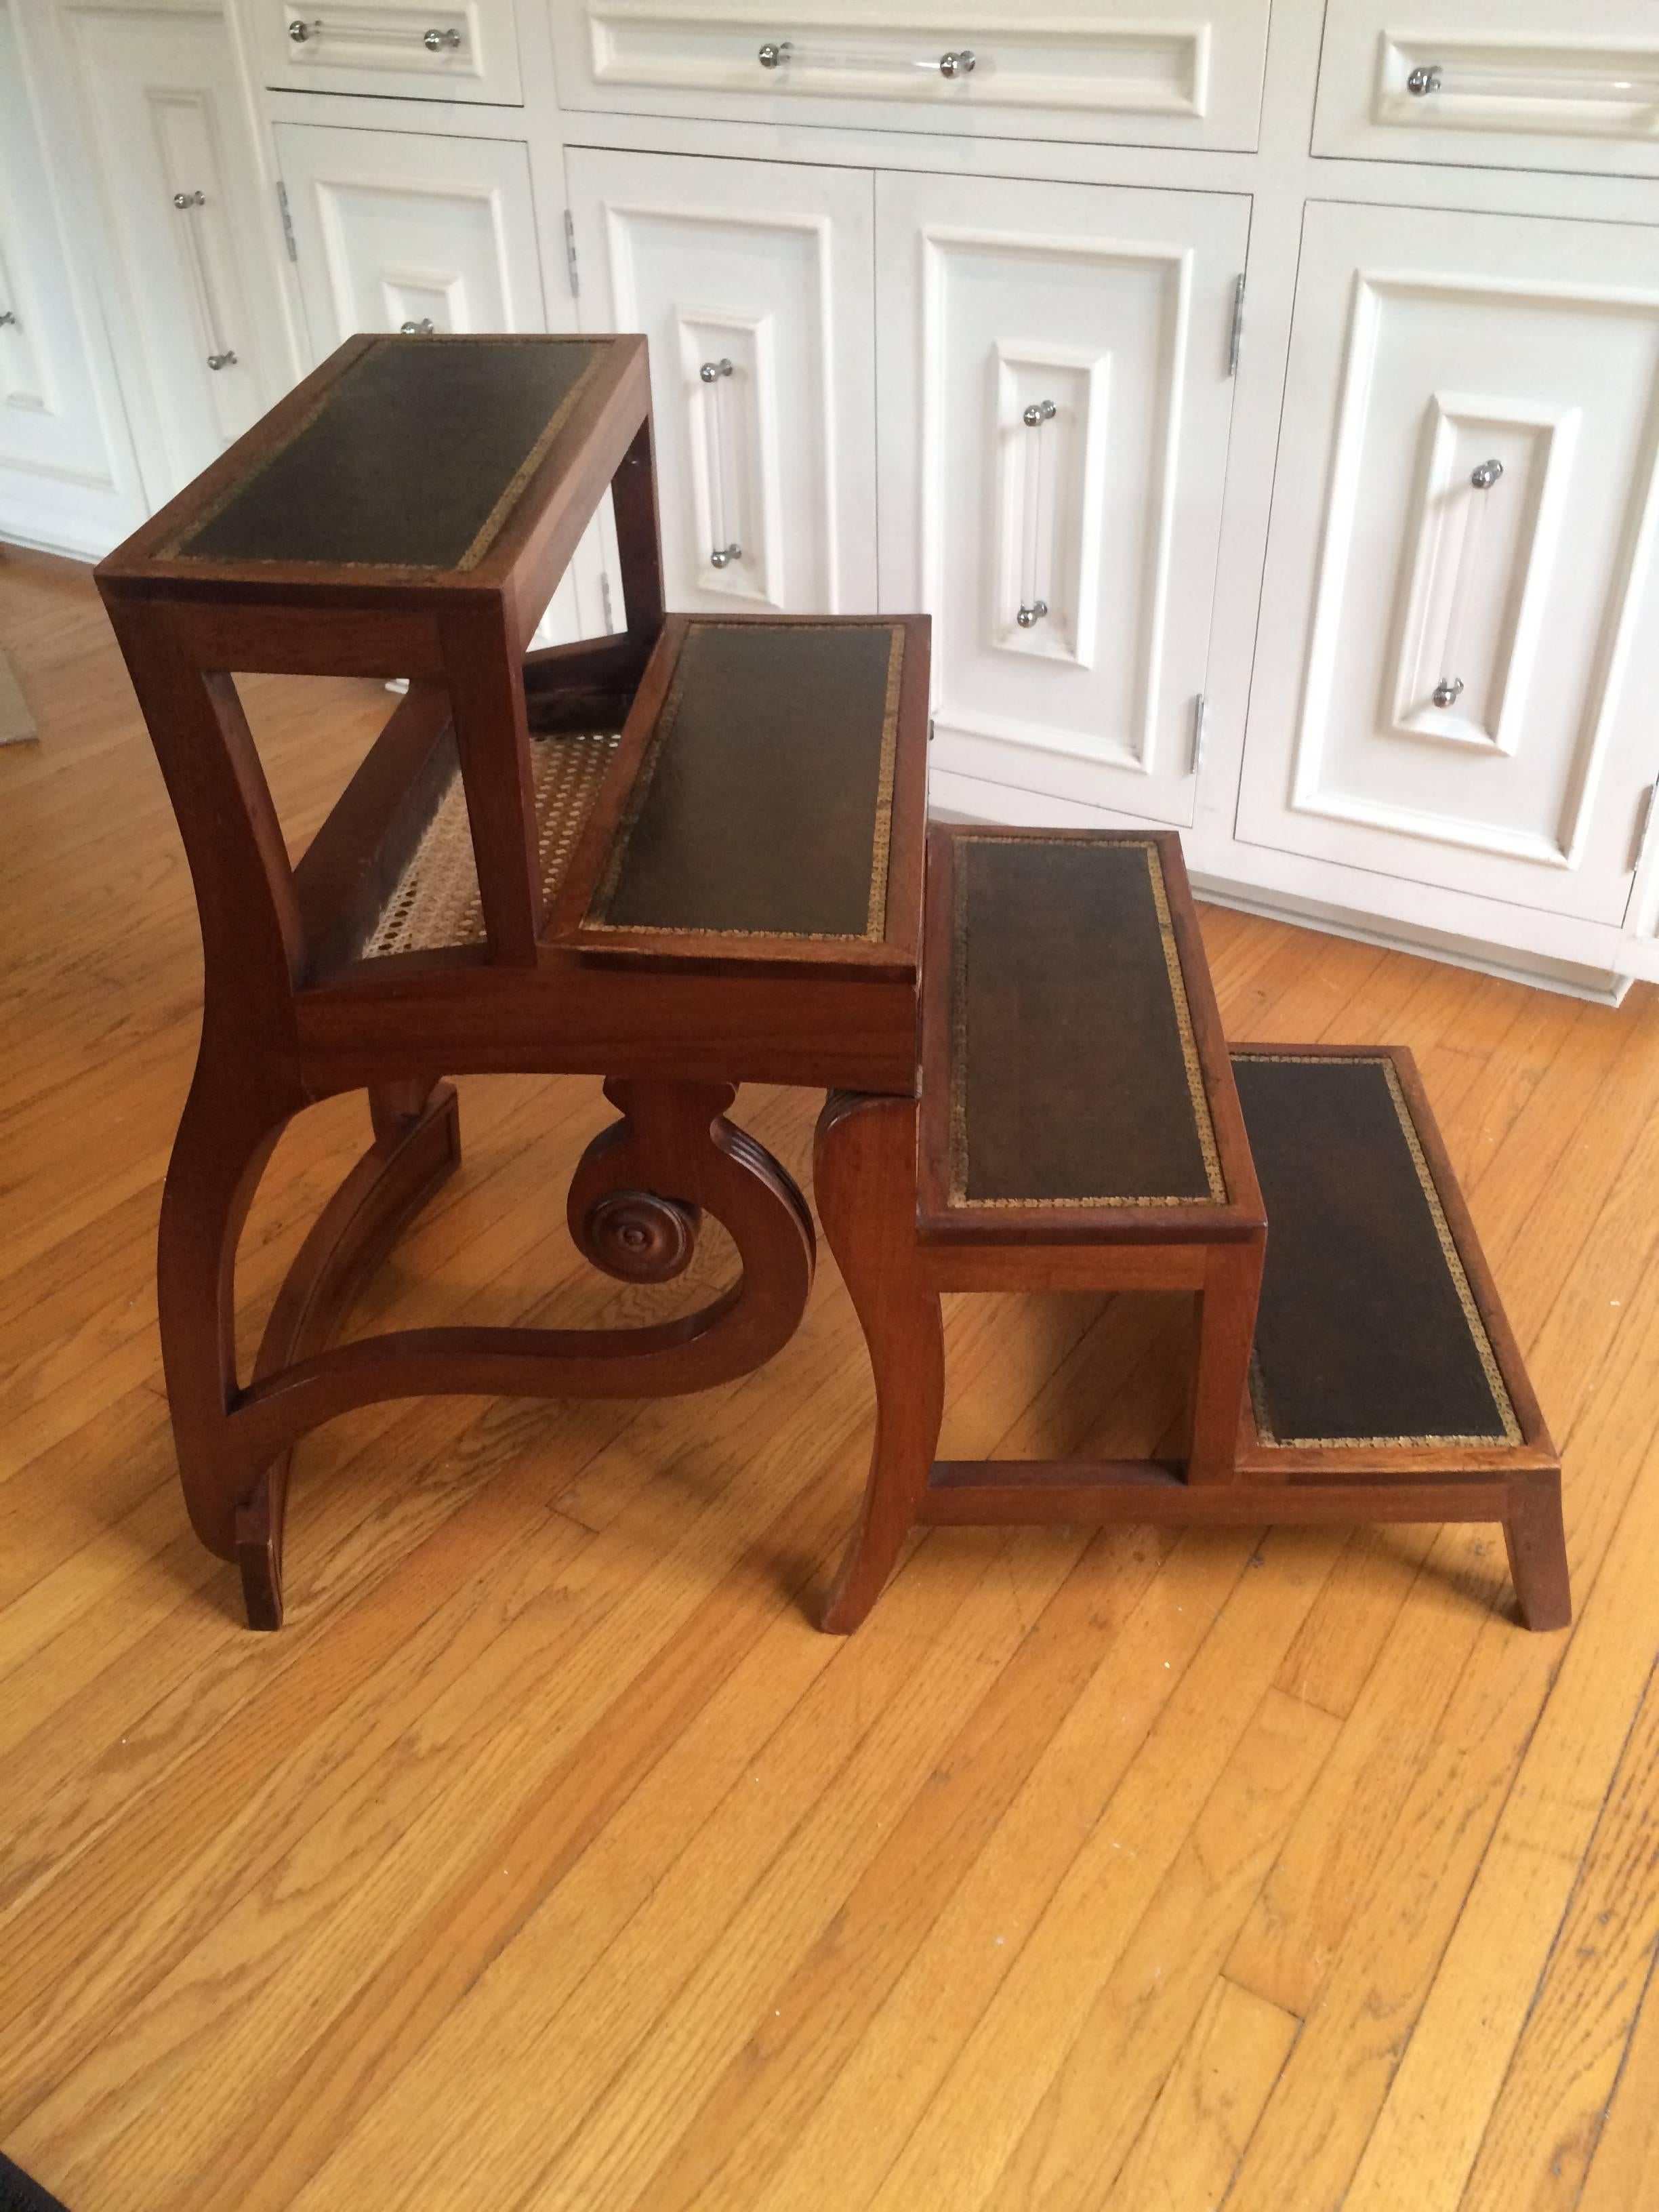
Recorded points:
58,478
1543,84
398,232
1055,399
1114,69
392,228
193,291
1456,670
753,284
400,49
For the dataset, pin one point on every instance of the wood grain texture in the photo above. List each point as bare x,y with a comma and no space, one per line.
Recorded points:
551,1857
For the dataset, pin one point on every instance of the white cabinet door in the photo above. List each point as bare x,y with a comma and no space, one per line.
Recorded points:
1113,69
193,283
1455,669
760,275
397,231
48,409
58,478
1534,84
1055,401
393,229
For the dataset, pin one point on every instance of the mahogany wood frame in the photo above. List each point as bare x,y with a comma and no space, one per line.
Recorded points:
292,1014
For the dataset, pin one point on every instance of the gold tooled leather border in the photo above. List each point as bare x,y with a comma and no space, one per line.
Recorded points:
1194,1068
881,837
1453,1257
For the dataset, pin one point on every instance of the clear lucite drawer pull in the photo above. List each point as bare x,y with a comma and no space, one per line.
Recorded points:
1033,606
435,41
776,53
715,375
219,355
1484,474
1617,87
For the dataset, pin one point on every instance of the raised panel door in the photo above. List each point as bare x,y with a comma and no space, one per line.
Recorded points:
753,283
1458,631
1056,395
193,287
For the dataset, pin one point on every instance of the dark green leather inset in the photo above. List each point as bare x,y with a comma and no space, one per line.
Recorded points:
1367,1330
1075,1078
763,804
409,459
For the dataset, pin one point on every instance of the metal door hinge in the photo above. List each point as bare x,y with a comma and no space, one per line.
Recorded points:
1235,337
1645,814
570,254
288,221
1198,734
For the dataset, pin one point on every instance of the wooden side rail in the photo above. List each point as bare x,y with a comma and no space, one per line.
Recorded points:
343,879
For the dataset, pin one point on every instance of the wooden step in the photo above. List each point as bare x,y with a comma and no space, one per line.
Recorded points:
1076,1085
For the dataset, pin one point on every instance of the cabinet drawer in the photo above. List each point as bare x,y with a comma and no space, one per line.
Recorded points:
401,49
1534,84
1109,71
1458,648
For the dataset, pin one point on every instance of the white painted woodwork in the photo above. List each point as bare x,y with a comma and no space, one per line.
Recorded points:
1114,308
1112,69
1425,344
391,227
49,413
394,227
768,268
1535,83
401,49
190,284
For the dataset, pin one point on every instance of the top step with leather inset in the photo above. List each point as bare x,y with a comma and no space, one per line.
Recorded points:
437,461
1076,1084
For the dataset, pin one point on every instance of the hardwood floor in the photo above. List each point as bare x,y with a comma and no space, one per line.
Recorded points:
550,1856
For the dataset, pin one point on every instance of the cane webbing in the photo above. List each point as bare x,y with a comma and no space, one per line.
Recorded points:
435,900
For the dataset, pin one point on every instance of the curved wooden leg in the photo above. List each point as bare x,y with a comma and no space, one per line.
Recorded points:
864,1176
416,1148
226,1136
1537,1547
635,1202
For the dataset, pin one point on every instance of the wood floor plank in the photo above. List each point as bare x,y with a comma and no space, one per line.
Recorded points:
1187,2153
1078,2138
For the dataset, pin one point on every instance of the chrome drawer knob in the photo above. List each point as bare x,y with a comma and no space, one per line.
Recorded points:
420,329
1484,476
1030,615
435,41
1448,691
226,360
775,54
712,371
957,65
1423,80
724,555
